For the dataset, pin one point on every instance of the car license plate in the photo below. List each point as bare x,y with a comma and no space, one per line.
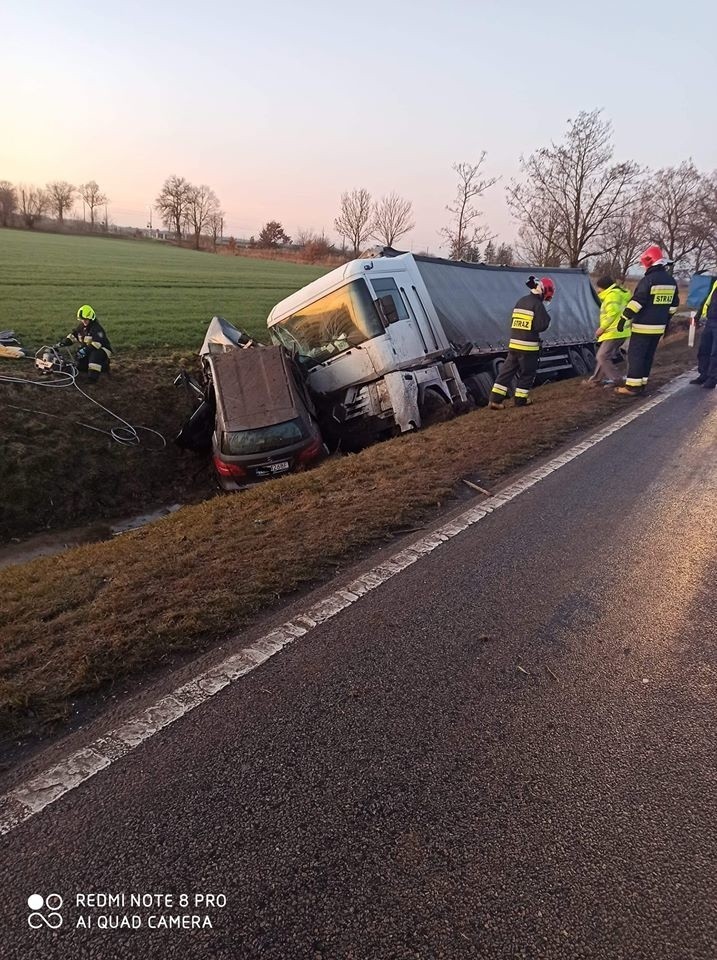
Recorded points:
279,467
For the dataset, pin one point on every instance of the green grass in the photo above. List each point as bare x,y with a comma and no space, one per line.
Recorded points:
149,295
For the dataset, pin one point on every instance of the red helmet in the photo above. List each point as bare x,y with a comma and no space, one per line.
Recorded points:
548,288
652,255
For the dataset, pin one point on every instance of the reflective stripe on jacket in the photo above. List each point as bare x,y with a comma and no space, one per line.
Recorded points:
708,310
612,304
529,320
93,335
654,301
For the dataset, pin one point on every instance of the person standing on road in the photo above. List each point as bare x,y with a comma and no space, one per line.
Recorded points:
707,350
613,300
95,351
529,320
653,303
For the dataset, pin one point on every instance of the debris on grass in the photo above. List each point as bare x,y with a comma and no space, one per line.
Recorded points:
474,486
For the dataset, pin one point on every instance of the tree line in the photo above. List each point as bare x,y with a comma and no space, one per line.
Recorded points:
573,205
30,203
186,208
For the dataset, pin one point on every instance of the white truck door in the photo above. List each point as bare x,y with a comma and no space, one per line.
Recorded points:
408,339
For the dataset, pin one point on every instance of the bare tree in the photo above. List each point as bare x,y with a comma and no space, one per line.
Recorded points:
216,225
505,256
676,209
202,202
172,204
33,203
8,201
355,220
392,219
61,194
305,236
93,197
314,246
464,233
572,189
537,239
625,235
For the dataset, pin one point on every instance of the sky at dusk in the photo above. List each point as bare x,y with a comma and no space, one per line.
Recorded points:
282,106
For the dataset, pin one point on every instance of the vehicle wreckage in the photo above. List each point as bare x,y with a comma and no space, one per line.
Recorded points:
254,412
373,349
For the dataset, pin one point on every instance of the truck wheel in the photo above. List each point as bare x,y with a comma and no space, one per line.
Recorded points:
589,357
577,362
435,408
479,385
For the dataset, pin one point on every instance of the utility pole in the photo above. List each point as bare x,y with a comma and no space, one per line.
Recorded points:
221,228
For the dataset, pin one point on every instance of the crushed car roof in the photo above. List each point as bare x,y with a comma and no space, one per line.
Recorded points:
253,388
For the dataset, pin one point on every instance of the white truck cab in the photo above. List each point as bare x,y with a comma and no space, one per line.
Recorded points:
371,344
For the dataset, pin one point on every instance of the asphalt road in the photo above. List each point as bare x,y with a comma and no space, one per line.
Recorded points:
394,786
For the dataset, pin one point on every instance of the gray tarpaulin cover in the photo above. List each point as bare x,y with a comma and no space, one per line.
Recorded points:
475,302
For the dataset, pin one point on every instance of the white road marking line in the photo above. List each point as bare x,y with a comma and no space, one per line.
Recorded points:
40,791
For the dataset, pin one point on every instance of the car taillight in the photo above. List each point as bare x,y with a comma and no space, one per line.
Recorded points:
228,469
311,452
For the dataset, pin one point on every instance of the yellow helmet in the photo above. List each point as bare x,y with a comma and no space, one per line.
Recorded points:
86,313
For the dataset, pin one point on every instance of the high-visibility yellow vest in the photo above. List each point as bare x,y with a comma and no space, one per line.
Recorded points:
612,303
708,301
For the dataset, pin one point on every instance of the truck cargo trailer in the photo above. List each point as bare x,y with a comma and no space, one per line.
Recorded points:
386,343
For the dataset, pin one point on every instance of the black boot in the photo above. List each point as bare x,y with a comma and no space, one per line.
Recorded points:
698,381
710,383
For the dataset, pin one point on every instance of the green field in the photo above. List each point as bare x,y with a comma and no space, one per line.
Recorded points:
148,294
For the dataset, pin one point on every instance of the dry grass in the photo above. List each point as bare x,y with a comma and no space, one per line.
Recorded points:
99,612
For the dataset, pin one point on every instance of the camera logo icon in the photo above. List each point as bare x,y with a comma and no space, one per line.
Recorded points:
44,911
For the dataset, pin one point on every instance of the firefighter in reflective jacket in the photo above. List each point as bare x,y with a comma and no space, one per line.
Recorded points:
95,351
707,350
653,303
529,320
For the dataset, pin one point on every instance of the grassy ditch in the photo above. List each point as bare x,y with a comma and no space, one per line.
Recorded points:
73,623
55,473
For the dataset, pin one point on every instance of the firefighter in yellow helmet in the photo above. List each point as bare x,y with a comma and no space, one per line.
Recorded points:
93,356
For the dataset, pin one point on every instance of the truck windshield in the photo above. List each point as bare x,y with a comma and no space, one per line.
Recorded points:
262,439
337,322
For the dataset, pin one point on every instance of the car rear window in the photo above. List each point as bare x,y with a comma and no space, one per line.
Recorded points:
241,443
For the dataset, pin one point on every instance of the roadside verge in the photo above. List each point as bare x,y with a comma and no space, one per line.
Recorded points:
73,623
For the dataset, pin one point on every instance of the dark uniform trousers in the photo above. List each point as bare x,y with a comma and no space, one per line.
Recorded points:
707,350
640,354
520,363
93,361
